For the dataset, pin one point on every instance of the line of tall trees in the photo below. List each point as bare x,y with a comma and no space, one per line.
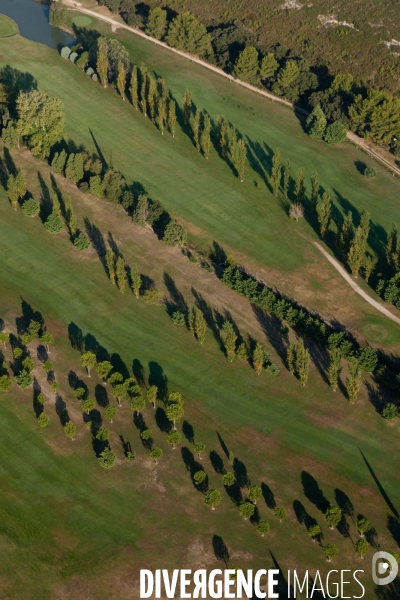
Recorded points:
370,112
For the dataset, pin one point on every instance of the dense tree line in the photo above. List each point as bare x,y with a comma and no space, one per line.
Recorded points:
371,113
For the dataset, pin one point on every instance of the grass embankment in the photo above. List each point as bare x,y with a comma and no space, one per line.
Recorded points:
70,529
8,27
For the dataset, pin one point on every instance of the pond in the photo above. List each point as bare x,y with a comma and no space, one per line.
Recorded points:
32,19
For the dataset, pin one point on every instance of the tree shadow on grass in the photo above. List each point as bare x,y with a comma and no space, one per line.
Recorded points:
163,423
217,462
177,301
221,552
268,496
97,240
126,446
100,393
240,472
192,466
158,378
313,492
138,372
188,431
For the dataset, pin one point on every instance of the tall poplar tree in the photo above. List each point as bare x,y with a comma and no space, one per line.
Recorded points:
187,107
353,380
276,171
229,338
303,362
133,88
324,213
258,358
291,358
334,369
300,190
110,262
358,246
152,96
345,235
102,60
223,135
121,79
196,129
205,137
314,190
171,118
240,158
161,113
136,281
120,273
143,89
286,178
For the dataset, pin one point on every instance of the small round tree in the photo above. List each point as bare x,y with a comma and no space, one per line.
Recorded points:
137,404
55,386
70,430
212,498
118,392
155,455
151,395
47,339
24,379
199,477
333,516
47,366
4,338
28,364
174,413
263,528
247,509
147,436
110,412
5,383
88,361
363,525
79,393
41,398
17,353
81,242
103,434
174,438
280,514
103,369
131,456
43,420
361,547
330,551
107,458
254,493
228,479
115,378
30,207
199,448
314,531
88,405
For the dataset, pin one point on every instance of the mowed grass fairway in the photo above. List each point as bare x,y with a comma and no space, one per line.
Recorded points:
8,27
72,530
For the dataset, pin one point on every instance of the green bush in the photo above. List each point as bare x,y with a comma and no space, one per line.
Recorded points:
5,383
81,242
370,172
107,459
24,379
178,318
65,52
30,208
390,412
54,223
174,234
335,133
153,296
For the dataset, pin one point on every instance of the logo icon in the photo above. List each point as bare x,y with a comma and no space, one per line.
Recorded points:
384,563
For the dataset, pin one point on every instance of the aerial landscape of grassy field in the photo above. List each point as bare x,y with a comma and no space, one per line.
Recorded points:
71,529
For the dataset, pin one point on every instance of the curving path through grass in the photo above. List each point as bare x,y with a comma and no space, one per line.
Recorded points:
356,287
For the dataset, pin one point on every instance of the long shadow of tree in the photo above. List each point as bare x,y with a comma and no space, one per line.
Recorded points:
313,492
268,496
217,462
221,552
188,431
158,378
177,300
240,472
211,317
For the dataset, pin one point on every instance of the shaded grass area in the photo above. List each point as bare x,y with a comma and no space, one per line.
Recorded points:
76,522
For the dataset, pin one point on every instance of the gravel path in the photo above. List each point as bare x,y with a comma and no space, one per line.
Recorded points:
356,287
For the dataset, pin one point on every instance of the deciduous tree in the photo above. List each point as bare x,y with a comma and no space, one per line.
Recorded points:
229,338
110,262
246,509
258,358
174,438
70,430
155,455
171,116
205,137
187,107
102,64
213,498
353,380
88,361
334,369
324,213
121,79
276,171
333,516
133,88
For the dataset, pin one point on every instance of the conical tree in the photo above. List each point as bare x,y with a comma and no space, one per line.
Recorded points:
324,213
316,123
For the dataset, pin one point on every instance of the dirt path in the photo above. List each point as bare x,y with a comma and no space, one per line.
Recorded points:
355,139
356,287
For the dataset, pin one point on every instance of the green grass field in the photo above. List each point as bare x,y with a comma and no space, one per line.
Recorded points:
7,27
70,530
78,532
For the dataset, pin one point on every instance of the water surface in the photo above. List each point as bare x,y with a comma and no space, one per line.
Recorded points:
32,19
